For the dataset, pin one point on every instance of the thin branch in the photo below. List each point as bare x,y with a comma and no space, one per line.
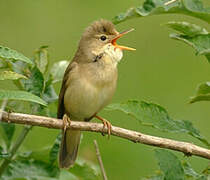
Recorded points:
137,137
100,160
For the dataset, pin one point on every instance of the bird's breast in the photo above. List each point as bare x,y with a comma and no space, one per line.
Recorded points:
89,92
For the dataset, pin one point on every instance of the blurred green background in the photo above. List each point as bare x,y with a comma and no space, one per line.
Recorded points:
162,70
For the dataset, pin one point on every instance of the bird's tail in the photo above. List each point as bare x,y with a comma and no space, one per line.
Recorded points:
69,148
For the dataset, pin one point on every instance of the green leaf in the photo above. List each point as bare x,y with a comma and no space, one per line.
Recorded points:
202,97
64,175
55,149
202,93
30,170
21,95
187,28
189,171
11,75
35,82
169,165
84,171
58,69
203,88
19,67
49,94
9,130
193,35
156,116
41,58
201,43
193,8
7,53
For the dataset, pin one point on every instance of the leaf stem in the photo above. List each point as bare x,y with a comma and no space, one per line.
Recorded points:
14,148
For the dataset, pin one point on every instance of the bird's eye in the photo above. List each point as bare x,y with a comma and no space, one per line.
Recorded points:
103,38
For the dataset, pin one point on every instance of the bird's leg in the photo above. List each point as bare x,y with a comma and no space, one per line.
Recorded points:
106,124
66,122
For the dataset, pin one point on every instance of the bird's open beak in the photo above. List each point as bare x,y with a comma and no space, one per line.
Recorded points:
114,43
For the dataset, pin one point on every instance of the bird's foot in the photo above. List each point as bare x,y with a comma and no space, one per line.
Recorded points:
106,124
66,122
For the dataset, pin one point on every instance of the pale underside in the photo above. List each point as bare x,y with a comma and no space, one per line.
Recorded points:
92,85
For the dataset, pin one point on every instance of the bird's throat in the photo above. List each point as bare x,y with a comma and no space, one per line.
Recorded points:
114,53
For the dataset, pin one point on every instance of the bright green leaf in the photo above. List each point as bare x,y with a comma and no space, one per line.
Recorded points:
169,165
84,171
7,53
55,149
11,75
58,69
193,8
156,116
202,93
187,28
9,130
41,58
21,95
30,170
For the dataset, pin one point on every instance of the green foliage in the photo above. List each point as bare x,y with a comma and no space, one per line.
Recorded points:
36,88
58,69
30,170
35,82
156,116
187,28
7,53
193,35
55,148
84,171
8,130
202,93
41,59
49,94
172,168
35,79
21,95
4,75
193,8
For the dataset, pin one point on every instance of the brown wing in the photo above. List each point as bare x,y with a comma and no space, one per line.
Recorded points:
61,108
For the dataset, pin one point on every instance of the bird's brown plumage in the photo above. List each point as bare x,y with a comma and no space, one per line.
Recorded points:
88,84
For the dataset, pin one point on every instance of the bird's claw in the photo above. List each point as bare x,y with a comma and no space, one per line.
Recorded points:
66,122
106,124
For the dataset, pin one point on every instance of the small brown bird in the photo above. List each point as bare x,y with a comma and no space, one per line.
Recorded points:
89,83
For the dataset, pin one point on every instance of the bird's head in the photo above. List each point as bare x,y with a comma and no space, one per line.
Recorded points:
100,37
